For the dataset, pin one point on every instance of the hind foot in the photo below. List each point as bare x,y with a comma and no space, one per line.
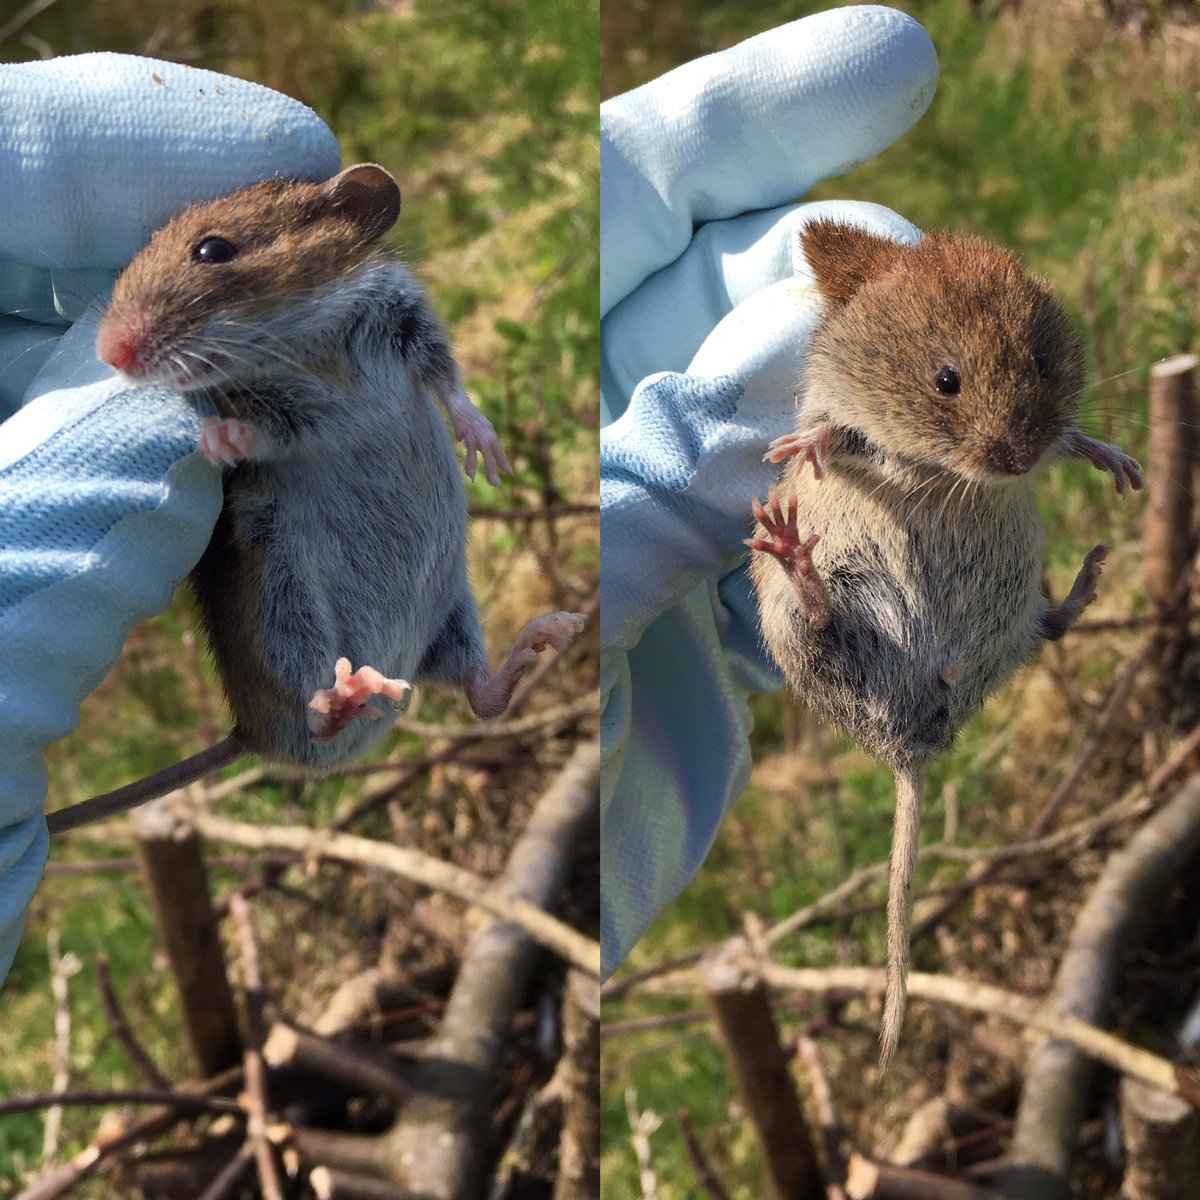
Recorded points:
490,697
332,709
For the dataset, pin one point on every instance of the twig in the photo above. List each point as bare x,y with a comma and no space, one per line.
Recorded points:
442,1135
641,1126
329,1183
230,1176
420,868
93,1097
119,1026
981,997
252,1059
62,1179
759,1066
706,1177
535,514
61,970
553,718
18,22
867,1180
831,1127
1112,922
577,1081
369,1074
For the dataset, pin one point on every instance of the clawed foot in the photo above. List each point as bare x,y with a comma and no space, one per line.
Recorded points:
1124,469
1056,621
489,697
783,542
1083,590
226,441
808,445
476,432
332,709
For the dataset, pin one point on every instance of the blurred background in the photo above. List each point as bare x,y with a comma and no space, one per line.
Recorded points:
1065,129
485,111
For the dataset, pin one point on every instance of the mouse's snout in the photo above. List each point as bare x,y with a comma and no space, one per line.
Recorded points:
1003,457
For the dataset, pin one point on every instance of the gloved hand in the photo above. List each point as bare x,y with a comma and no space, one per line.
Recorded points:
105,505
724,304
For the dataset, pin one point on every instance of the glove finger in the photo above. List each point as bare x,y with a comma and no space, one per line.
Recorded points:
752,127
661,326
99,150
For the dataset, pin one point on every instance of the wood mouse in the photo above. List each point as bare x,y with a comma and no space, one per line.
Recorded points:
337,571
898,581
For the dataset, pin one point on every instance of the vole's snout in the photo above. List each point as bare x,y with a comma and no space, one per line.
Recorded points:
1000,457
123,345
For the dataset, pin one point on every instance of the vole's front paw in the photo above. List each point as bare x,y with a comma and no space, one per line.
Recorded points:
332,709
783,542
476,432
1126,472
555,629
808,445
226,441
1084,587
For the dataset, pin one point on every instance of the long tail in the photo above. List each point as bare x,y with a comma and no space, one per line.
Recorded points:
142,790
902,867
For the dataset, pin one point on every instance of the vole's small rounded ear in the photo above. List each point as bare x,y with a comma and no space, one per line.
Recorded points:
368,195
843,257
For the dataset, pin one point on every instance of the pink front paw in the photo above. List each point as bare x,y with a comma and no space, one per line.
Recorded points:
1089,575
332,709
783,534
808,445
476,432
1125,471
226,441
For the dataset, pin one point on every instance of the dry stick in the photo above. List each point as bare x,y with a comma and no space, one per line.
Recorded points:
172,859
330,1184
364,1072
93,1097
252,1060
420,868
1160,1135
230,1176
1118,913
706,1177
822,1100
975,997
867,1180
118,1025
61,970
553,718
62,1179
641,1126
577,1080
439,1147
759,1066
1168,539
14,26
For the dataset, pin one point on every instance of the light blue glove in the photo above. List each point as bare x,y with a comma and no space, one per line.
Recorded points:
105,505
725,303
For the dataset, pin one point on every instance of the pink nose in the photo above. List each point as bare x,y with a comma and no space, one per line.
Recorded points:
120,347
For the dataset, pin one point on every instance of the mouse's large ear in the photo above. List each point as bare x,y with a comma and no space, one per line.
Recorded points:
843,257
368,195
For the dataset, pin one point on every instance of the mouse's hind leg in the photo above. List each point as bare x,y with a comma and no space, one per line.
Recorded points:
331,709
489,694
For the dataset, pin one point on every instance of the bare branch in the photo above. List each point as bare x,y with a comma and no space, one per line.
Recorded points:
119,1025
421,868
252,1060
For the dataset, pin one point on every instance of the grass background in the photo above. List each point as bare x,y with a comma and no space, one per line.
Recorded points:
486,112
1069,135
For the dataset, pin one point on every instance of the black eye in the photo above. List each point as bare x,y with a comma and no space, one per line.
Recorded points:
947,381
1043,367
214,250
